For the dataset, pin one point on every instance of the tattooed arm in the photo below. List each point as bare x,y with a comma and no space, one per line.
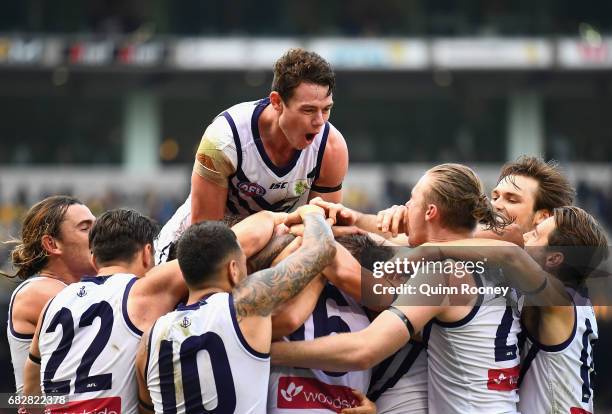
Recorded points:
256,297
260,293
264,258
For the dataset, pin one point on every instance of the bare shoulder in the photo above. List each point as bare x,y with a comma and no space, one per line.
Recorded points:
336,144
335,159
39,291
30,301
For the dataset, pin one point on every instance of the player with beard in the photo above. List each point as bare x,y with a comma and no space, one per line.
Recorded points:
52,253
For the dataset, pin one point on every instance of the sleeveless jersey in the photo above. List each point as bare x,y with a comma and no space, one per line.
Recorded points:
257,184
199,361
474,363
299,390
556,379
88,346
399,383
19,343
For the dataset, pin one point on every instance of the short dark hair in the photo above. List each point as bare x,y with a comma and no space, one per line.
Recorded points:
367,251
554,189
118,234
297,66
203,248
581,240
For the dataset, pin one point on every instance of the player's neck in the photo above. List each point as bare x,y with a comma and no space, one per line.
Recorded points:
197,294
441,234
273,138
60,272
112,269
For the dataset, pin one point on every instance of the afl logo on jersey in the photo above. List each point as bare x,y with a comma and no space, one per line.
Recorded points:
251,189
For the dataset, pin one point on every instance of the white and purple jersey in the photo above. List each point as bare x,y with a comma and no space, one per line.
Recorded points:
473,363
299,390
88,346
257,183
19,343
557,379
199,362
399,383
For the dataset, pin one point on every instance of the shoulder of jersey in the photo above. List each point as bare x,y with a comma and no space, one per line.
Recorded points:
241,107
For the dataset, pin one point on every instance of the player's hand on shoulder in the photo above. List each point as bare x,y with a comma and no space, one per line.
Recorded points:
393,219
365,405
341,215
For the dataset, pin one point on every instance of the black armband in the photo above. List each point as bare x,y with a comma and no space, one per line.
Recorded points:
321,189
539,289
404,319
145,405
34,359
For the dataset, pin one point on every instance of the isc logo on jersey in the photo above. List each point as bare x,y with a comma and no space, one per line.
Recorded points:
297,187
251,189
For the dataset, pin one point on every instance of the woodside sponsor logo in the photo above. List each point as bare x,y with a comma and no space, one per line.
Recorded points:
310,393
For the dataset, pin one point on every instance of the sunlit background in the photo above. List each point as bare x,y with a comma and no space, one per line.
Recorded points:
107,99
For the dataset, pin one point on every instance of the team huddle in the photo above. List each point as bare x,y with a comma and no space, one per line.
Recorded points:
251,298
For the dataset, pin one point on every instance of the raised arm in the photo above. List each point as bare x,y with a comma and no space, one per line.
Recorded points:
260,293
347,351
344,216
345,272
519,267
156,294
255,232
263,259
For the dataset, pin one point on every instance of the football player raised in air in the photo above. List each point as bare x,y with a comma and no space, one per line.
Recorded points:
271,154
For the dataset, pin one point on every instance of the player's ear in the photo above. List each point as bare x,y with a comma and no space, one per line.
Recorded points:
554,259
50,245
234,273
431,212
276,101
540,216
147,256
92,260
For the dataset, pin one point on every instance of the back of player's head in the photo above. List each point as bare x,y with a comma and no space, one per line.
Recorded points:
365,249
459,195
43,218
554,190
203,249
119,234
582,241
297,66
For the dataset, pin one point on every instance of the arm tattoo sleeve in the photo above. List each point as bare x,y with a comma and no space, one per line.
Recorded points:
260,293
264,258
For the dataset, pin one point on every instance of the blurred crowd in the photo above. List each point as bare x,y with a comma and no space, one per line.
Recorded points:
294,17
